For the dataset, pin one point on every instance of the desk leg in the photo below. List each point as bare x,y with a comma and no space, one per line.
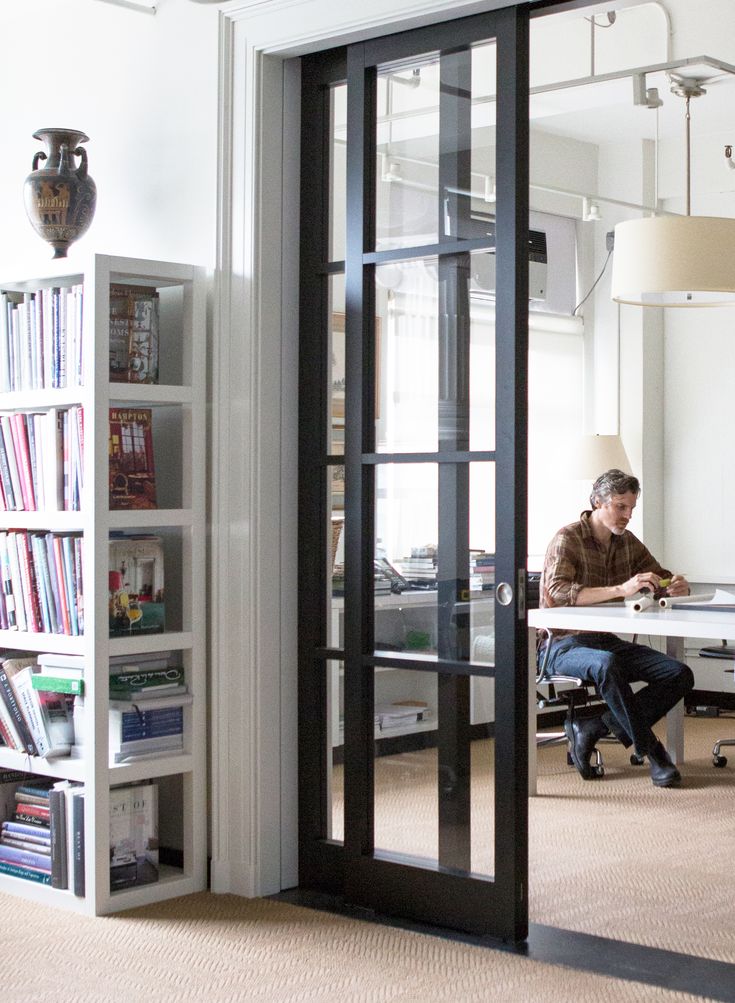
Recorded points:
675,717
532,711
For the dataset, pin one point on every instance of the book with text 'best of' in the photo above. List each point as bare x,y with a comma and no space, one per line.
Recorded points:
133,835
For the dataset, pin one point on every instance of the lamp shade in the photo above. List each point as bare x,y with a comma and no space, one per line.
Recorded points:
680,261
592,455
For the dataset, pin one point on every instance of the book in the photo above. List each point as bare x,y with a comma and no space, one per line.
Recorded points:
68,684
8,669
33,814
26,831
133,836
142,682
78,884
134,331
27,858
59,855
9,781
30,705
132,468
136,584
27,873
146,726
8,730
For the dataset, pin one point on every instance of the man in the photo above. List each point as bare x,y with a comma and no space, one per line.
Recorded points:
596,560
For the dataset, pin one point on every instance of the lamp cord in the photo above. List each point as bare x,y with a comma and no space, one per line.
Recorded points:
594,284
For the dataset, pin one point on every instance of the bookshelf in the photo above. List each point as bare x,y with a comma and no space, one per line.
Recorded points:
177,402
402,621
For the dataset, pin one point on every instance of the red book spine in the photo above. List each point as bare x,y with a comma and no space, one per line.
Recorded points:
23,459
28,576
59,562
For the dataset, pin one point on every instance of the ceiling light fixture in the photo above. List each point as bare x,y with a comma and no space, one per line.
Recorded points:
680,261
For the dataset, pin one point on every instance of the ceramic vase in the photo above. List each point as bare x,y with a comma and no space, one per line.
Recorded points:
60,196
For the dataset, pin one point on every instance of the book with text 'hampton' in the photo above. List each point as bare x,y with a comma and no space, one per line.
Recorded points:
132,467
133,836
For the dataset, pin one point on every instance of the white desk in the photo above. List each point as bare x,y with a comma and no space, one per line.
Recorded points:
673,624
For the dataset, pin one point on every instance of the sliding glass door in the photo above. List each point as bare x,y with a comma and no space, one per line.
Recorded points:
413,686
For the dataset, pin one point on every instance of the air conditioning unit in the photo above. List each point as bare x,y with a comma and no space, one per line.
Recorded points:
483,268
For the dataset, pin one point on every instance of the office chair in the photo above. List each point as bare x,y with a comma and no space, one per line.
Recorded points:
573,698
580,694
728,653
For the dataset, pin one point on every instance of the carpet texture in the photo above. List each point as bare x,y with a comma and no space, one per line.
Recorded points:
612,857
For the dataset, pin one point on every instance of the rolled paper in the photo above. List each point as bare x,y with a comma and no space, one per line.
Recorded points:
666,602
638,603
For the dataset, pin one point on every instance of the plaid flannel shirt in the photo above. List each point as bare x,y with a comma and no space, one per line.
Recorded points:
575,560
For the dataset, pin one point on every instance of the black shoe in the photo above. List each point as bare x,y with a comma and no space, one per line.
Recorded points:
663,771
583,734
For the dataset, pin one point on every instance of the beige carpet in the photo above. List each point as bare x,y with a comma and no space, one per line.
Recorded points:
620,858
614,857
223,949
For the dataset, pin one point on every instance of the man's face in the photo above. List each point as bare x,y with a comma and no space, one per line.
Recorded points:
616,513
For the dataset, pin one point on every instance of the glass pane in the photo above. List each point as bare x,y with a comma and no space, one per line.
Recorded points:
434,788
406,539
336,367
407,143
338,172
420,353
335,750
407,364
335,555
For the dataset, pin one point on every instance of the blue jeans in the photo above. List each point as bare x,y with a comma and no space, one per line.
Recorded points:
611,665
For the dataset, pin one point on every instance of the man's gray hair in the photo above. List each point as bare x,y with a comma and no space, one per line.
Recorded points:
613,482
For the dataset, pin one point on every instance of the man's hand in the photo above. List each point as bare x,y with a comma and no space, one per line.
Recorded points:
678,586
646,581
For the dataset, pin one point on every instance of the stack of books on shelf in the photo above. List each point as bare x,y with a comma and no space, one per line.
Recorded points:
41,339
42,582
148,695
36,708
482,570
40,835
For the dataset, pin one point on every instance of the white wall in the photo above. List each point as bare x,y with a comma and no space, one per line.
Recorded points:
144,89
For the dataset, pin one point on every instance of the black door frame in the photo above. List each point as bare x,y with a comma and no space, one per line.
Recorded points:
498,908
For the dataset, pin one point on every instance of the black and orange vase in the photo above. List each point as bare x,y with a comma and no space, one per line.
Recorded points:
60,196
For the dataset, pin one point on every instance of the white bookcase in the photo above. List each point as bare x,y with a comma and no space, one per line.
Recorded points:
178,404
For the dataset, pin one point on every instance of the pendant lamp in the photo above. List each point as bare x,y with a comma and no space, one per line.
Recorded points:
679,261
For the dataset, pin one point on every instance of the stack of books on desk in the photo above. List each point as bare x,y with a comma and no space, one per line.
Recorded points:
400,714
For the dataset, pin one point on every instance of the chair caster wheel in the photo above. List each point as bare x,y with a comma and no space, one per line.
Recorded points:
599,771
570,761
719,761
636,760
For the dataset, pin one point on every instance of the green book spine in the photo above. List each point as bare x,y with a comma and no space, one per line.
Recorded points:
18,871
57,684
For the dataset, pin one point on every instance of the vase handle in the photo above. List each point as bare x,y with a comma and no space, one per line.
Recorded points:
82,154
39,156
